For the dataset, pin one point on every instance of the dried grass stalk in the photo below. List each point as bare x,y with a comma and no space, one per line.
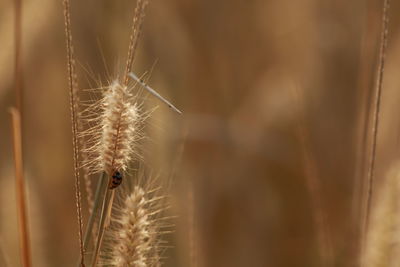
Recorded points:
20,189
17,56
73,108
116,130
136,29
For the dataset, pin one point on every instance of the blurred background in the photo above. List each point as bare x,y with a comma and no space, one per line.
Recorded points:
275,96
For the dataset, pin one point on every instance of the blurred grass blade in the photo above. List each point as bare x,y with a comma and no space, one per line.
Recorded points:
20,189
103,223
101,187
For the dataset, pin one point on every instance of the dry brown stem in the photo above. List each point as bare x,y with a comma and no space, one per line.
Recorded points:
17,58
314,185
134,37
73,101
20,189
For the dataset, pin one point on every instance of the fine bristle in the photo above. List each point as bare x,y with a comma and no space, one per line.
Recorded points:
134,238
116,130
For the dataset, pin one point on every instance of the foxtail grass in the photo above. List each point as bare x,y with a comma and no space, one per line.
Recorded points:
115,143
109,145
116,130
135,235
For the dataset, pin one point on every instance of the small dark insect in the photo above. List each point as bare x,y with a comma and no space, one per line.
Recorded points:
116,180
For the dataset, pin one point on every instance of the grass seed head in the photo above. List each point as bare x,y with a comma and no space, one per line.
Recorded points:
114,136
134,238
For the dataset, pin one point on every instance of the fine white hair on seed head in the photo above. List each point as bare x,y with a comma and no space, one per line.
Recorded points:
115,131
134,238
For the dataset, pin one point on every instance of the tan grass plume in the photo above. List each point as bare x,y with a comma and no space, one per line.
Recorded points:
115,132
134,237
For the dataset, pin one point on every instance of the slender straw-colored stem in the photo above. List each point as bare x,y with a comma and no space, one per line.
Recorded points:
103,223
314,187
376,114
20,189
134,37
101,187
73,101
17,59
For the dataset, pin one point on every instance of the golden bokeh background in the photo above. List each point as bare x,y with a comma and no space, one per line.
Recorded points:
234,68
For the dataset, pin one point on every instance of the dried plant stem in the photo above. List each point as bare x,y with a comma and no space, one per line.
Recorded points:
101,187
134,37
26,258
376,113
314,187
20,189
103,223
73,101
82,150
17,59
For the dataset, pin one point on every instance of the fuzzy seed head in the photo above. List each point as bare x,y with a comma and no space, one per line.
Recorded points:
135,232
119,128
113,138
134,235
